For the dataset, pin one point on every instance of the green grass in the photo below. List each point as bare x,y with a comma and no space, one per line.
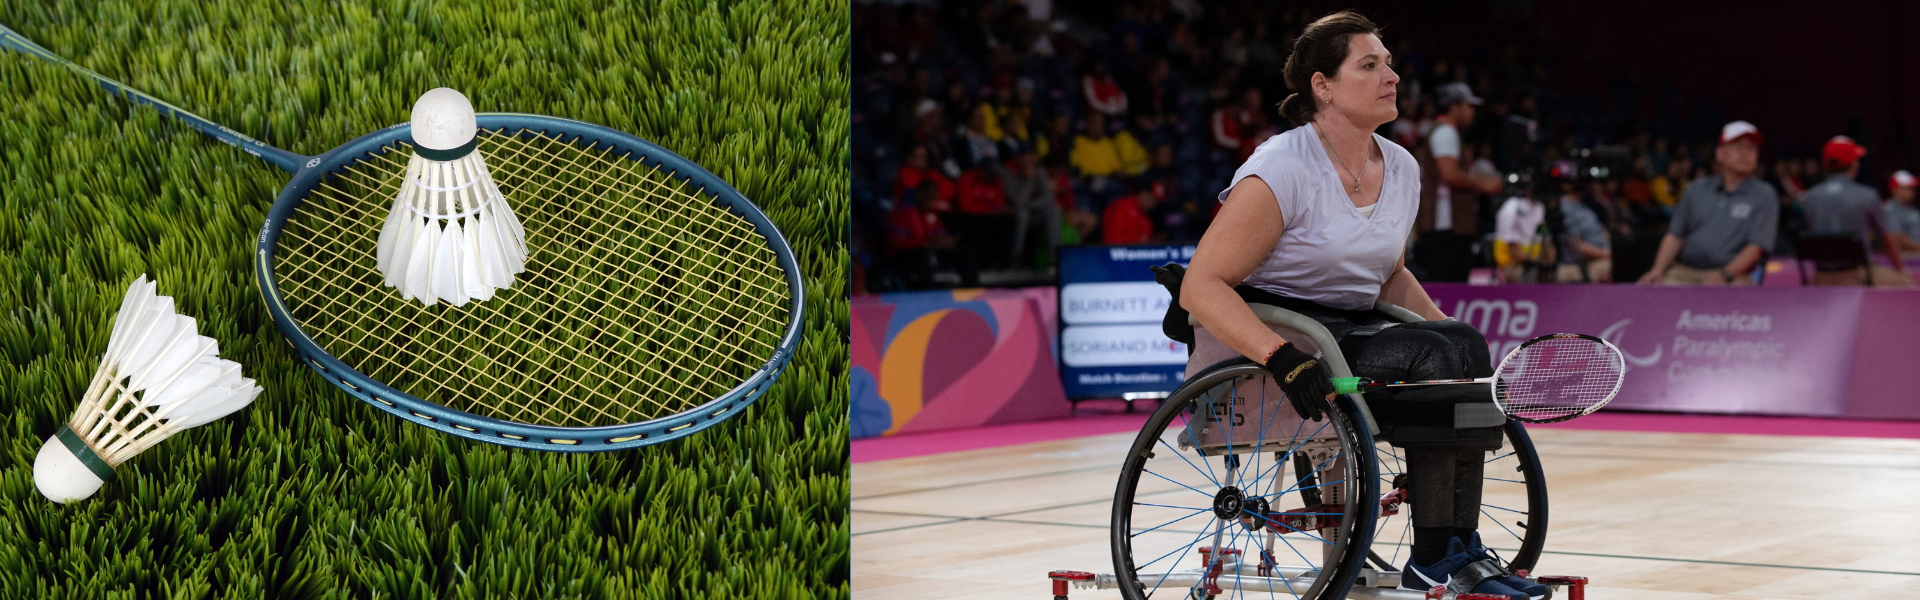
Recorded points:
309,493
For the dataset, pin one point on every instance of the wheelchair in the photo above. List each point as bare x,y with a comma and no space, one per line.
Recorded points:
1268,505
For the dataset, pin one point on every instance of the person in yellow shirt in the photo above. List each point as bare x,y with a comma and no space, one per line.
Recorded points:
990,118
1094,153
999,109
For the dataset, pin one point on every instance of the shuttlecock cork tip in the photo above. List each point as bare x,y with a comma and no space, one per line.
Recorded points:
443,125
65,475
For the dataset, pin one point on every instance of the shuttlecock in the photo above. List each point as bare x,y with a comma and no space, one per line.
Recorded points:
451,235
158,377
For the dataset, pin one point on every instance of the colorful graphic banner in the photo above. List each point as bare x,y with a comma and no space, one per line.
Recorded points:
943,360
1713,350
925,361
1110,311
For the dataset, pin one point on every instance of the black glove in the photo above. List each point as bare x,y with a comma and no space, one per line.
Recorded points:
1302,377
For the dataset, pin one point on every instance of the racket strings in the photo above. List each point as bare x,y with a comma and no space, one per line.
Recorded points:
550,307
1558,377
738,233
642,297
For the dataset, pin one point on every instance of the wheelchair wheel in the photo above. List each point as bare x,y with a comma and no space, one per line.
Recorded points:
1513,504
1211,500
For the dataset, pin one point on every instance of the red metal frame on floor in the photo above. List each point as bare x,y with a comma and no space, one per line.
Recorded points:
1382,585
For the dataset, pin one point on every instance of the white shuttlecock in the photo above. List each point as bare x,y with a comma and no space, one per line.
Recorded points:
159,377
451,235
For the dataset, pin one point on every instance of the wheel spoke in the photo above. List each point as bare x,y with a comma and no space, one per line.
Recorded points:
1189,546
1264,551
1483,511
1404,532
1176,483
1208,472
1166,506
1189,516
1277,462
1296,551
1188,425
1232,396
1321,467
1218,559
1258,444
1314,486
1483,505
1295,443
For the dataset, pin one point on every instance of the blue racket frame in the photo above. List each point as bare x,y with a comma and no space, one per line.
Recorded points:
309,171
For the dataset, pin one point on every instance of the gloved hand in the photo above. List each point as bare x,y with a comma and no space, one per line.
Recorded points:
1302,377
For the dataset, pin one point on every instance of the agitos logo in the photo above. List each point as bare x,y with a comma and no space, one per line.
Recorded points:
1616,334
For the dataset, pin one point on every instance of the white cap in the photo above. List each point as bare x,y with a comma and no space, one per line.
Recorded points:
1737,130
1902,179
61,476
443,120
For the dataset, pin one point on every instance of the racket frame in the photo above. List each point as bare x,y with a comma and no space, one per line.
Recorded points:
524,435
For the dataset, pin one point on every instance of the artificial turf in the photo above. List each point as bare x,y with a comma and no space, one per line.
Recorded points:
309,493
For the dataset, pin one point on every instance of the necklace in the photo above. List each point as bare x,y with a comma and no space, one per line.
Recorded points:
1343,161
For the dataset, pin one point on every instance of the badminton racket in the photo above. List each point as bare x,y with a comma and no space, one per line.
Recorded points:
1549,378
657,299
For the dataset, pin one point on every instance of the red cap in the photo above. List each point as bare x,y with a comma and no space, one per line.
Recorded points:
1739,129
1841,151
1901,179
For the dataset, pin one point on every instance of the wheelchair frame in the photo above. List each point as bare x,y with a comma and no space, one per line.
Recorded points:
1227,573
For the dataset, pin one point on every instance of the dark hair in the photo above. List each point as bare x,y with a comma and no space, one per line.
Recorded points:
1320,49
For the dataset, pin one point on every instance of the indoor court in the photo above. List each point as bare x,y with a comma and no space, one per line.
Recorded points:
1647,506
1591,319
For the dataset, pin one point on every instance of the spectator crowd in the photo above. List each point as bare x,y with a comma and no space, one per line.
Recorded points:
987,133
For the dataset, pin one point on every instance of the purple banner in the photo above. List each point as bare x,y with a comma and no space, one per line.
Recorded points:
1886,374
1713,350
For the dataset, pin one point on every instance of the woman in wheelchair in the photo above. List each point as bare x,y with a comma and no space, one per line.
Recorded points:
1316,221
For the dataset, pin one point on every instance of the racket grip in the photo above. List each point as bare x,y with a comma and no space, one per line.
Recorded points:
1346,385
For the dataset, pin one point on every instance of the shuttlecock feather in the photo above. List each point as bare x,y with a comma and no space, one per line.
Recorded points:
159,376
450,234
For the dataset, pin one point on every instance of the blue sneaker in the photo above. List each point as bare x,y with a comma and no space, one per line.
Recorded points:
1422,578
1534,591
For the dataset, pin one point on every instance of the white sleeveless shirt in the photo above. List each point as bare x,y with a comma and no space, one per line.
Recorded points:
1330,252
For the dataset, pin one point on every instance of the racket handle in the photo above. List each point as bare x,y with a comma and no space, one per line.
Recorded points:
1346,385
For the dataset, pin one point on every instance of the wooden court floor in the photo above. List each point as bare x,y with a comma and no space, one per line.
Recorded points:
1654,516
